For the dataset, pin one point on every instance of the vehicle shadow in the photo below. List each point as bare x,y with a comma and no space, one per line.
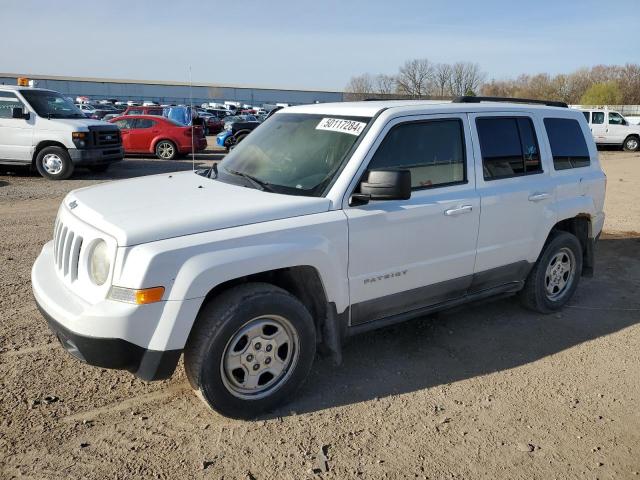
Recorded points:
474,341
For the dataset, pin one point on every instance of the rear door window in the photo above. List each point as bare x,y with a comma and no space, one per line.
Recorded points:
141,123
597,118
509,147
587,116
568,146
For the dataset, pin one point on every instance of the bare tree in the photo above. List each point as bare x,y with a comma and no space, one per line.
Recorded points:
384,84
630,83
359,87
442,78
465,79
415,78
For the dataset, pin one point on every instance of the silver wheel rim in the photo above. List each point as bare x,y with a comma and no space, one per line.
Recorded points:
165,149
260,357
559,274
632,144
52,163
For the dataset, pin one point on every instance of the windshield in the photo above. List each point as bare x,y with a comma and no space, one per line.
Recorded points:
51,104
293,153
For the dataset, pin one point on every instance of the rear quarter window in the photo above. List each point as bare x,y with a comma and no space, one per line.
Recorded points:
568,146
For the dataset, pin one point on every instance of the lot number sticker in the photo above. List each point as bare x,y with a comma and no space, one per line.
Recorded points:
341,126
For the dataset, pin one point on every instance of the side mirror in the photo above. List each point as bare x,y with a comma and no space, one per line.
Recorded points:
383,185
19,112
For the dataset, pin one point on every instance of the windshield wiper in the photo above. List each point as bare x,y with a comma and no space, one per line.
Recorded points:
260,184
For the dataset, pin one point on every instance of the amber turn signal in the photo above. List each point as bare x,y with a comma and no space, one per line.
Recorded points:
139,297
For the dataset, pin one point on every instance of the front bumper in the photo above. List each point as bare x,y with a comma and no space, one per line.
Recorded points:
107,334
115,352
96,156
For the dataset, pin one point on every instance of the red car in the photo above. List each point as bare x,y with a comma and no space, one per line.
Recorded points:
159,135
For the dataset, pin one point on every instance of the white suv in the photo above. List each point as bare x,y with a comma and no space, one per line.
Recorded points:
611,128
326,221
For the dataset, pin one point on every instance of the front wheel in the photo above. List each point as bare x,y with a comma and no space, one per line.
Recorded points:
250,349
54,163
631,144
166,150
555,276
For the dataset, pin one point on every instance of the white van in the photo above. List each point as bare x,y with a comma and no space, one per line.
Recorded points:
43,129
611,128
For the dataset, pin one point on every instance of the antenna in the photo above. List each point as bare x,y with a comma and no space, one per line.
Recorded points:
193,151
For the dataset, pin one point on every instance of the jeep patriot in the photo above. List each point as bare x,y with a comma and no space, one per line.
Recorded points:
326,221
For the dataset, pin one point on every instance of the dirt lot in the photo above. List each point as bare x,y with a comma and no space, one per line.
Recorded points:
491,391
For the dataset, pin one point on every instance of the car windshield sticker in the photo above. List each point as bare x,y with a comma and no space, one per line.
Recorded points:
342,126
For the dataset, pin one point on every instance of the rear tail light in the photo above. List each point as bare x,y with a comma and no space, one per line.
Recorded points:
187,131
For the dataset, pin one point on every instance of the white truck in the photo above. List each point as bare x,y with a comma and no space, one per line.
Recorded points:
611,128
45,130
328,220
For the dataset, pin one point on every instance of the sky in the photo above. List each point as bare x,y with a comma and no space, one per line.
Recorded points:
309,44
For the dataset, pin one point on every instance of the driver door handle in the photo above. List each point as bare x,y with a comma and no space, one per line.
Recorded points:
536,197
458,211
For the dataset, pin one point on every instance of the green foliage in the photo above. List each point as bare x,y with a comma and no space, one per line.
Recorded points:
603,93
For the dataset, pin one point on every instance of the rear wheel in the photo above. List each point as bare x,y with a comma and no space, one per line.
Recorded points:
54,163
166,150
631,144
555,276
250,349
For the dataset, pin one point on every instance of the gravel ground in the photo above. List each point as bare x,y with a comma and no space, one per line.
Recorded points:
491,391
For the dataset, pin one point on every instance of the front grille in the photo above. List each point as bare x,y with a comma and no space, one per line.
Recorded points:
107,138
66,250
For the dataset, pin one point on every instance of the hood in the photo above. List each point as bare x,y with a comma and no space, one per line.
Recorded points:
70,124
164,206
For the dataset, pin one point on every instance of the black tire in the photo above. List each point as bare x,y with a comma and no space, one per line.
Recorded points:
631,143
536,295
240,137
229,141
54,163
166,150
99,168
219,324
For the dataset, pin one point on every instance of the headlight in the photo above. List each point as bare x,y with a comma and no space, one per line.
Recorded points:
228,126
80,139
99,264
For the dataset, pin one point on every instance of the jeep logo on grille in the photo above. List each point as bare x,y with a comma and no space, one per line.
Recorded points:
73,205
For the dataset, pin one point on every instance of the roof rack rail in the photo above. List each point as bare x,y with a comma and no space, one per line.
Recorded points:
548,103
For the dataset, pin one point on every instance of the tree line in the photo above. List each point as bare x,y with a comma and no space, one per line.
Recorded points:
421,78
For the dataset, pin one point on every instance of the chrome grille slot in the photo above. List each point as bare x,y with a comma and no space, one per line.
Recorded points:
75,257
66,251
55,237
61,237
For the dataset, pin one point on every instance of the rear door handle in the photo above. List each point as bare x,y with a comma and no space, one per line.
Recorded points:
536,197
459,210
